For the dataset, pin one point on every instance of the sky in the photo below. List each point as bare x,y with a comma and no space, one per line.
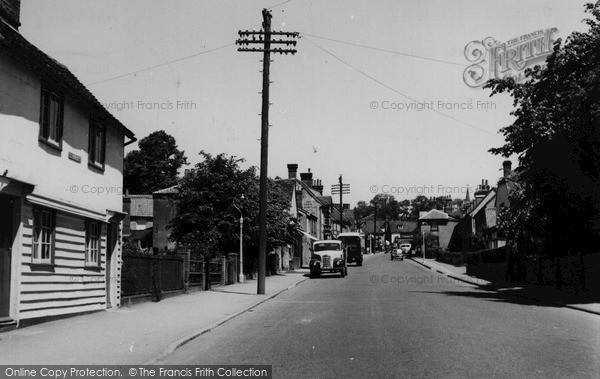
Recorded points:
375,92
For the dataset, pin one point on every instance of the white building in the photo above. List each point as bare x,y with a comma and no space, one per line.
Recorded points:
61,173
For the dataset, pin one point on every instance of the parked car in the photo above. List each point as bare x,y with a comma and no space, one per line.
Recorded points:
397,254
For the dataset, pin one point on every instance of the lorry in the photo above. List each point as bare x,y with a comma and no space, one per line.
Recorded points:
353,243
328,256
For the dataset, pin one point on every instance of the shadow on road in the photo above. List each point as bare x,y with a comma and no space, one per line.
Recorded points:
325,276
529,295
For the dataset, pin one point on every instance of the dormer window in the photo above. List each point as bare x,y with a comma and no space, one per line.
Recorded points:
97,144
51,118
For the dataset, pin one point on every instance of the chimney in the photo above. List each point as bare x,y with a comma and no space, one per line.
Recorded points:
306,177
10,11
506,167
318,186
482,190
292,170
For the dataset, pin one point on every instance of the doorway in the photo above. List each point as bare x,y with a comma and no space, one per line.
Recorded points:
7,230
111,243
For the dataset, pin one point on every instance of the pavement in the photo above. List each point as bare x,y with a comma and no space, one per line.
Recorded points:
567,297
140,334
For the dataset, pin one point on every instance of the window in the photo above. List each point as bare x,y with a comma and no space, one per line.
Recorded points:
51,118
92,244
97,144
434,226
43,236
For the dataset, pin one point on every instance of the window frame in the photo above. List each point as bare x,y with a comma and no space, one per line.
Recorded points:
93,252
433,226
39,218
46,96
95,149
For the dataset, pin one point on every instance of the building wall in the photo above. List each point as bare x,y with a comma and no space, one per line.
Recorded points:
444,232
68,287
53,173
77,191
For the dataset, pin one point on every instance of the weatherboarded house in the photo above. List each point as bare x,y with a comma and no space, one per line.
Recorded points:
61,164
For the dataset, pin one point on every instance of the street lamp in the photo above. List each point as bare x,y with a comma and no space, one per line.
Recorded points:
241,278
423,238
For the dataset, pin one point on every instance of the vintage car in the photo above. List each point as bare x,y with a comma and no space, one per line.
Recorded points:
397,254
328,256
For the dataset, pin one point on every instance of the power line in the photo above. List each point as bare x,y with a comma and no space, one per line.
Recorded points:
160,65
385,50
393,89
280,4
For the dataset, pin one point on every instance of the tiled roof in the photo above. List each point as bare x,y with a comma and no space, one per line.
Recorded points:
172,189
326,200
404,226
50,70
368,226
435,214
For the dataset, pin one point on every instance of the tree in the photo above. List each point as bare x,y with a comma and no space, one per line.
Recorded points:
154,166
362,210
425,204
387,206
556,137
432,243
208,223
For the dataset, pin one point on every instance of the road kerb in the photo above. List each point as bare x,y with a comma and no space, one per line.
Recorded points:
182,341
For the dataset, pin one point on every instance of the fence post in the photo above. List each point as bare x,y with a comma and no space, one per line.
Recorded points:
185,254
223,270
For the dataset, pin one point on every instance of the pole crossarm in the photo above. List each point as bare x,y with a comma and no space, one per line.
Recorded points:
278,51
276,41
273,33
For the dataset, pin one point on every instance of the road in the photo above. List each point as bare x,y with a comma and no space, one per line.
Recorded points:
399,319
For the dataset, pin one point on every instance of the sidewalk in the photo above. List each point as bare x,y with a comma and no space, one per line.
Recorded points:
139,334
566,298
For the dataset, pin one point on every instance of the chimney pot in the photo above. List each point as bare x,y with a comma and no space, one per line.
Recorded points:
506,167
292,170
306,177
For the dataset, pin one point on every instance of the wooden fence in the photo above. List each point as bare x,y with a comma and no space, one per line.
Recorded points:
140,273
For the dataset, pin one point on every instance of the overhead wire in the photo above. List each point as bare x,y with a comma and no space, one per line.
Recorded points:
384,50
391,88
160,65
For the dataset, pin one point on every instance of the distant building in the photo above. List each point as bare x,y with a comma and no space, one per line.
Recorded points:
137,226
439,223
164,212
312,209
61,165
480,218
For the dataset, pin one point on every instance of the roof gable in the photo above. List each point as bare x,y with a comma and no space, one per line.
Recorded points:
435,214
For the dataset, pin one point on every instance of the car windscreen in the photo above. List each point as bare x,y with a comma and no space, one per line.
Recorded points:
327,246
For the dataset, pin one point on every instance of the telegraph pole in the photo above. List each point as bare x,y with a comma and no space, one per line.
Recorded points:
247,38
341,188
